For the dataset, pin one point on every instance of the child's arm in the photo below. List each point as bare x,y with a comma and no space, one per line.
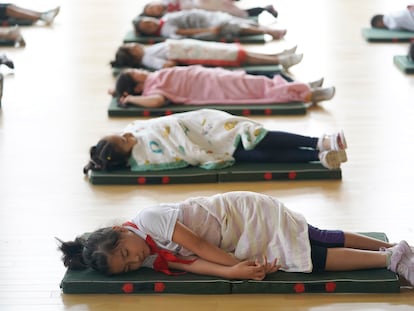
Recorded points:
244,270
151,101
202,248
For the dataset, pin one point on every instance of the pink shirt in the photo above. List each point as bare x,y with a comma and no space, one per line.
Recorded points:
200,85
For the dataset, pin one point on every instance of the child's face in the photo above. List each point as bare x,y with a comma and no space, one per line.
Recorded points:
123,143
148,25
139,76
135,49
129,254
154,9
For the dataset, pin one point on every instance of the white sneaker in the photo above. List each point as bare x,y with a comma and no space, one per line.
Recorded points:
332,159
289,60
334,141
316,83
320,94
398,251
49,16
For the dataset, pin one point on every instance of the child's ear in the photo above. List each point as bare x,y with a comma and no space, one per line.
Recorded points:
119,228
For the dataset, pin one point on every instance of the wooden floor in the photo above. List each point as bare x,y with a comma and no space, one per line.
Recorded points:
55,107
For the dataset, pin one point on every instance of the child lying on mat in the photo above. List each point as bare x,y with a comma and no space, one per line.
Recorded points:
235,235
159,8
198,85
210,139
195,22
399,20
174,52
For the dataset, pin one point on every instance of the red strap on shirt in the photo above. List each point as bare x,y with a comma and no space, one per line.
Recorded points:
158,32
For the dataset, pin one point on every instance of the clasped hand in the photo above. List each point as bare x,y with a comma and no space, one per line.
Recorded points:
255,270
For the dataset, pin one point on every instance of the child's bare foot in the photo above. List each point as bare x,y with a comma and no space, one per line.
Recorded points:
277,34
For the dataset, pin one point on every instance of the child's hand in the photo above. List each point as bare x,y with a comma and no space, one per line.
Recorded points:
169,63
268,267
254,270
124,100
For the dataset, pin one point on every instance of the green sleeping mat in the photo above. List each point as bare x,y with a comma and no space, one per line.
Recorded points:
148,281
264,70
4,42
385,35
239,172
294,108
404,63
12,21
132,37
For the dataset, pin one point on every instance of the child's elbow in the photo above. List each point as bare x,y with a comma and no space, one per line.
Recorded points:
159,101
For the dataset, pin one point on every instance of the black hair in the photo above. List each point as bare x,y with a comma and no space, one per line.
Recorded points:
124,58
125,84
91,252
105,156
146,6
377,20
135,22
411,52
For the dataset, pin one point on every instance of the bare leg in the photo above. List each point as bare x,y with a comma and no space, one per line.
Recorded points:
348,259
262,59
359,241
257,30
21,13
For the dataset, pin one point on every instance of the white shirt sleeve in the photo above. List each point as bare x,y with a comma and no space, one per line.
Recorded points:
155,56
159,222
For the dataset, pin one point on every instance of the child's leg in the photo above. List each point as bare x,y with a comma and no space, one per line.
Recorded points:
280,147
363,242
22,13
286,60
275,155
257,30
280,139
348,259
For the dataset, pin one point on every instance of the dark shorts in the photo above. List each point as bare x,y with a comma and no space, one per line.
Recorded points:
320,241
3,10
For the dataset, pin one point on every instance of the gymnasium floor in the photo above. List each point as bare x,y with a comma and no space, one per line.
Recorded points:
54,108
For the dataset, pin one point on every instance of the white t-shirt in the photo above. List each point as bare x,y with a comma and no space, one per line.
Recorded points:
403,19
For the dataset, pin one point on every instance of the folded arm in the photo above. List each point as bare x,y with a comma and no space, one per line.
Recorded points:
245,270
151,101
214,261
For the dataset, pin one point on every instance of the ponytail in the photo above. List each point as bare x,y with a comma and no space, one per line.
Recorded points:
92,252
72,253
104,156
